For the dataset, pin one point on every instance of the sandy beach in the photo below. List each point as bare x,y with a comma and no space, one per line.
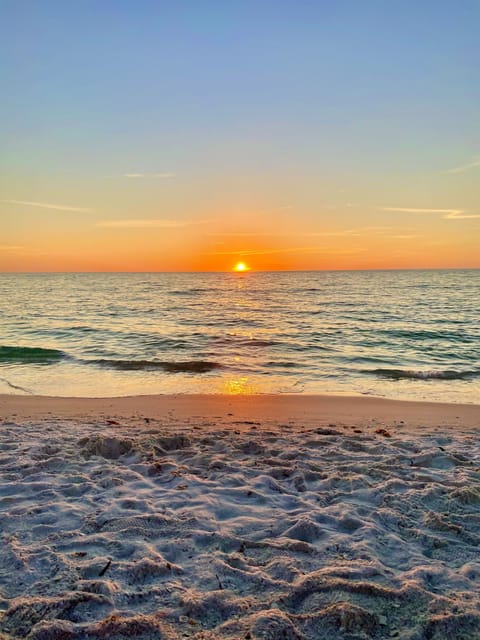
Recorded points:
209,517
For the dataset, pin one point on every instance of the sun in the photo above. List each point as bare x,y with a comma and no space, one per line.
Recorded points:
241,267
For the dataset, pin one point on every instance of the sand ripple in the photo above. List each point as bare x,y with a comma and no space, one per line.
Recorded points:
236,531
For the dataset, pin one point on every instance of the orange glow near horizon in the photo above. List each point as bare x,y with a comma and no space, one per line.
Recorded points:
32,244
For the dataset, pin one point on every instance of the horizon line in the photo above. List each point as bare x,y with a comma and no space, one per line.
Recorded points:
243,274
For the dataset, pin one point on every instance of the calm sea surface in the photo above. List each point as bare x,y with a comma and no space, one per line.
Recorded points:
404,334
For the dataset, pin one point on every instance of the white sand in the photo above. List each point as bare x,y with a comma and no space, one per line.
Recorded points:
197,523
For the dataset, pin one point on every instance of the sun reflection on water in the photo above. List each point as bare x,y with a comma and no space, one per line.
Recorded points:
238,385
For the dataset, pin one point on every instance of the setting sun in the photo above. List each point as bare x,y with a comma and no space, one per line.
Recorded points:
240,267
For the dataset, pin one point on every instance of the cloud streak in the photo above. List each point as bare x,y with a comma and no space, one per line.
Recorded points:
447,214
466,167
165,176
150,224
342,233
263,252
49,205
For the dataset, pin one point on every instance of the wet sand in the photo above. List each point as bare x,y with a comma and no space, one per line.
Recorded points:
354,410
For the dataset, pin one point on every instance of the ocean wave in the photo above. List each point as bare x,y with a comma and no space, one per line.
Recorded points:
404,374
192,291
62,332
281,363
426,334
82,328
30,355
244,342
165,343
192,366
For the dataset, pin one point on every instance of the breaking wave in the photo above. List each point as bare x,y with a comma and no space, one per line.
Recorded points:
402,374
30,355
192,366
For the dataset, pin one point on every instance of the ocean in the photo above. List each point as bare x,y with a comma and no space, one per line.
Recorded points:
396,334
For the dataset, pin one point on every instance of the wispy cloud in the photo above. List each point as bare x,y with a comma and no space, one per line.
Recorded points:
262,252
461,215
164,176
466,167
447,214
10,247
49,205
271,234
22,251
150,224
356,232
342,233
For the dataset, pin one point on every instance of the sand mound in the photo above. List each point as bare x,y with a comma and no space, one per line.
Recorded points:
108,447
273,625
139,627
349,617
223,533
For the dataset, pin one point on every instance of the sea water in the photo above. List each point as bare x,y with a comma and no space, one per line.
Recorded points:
398,334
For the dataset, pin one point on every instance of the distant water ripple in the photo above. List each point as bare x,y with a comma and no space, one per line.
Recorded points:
409,334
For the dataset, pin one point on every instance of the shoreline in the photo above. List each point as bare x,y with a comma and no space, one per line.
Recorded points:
353,410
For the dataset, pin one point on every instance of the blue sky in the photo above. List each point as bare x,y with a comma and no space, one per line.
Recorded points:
239,96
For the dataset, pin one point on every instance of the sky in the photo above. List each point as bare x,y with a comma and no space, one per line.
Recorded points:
141,135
